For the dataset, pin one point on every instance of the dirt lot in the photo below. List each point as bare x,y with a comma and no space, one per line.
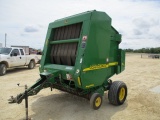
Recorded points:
142,76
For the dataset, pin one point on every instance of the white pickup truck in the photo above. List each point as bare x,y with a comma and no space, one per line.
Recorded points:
14,57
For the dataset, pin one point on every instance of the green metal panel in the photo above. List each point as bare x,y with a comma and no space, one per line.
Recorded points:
121,61
97,51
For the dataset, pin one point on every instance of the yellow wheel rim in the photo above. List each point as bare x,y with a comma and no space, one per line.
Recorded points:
98,102
121,94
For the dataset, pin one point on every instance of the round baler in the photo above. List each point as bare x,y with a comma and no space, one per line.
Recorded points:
80,54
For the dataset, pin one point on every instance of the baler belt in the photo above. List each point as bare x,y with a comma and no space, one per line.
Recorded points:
73,54
57,55
64,54
53,53
69,54
67,32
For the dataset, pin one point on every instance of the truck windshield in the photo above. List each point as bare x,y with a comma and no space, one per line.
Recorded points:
5,51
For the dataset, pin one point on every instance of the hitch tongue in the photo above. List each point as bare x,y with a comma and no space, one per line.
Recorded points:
34,89
18,99
12,100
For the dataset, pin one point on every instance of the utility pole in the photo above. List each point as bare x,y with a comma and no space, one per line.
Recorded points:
5,38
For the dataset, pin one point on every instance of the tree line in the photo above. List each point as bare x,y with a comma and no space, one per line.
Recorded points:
144,50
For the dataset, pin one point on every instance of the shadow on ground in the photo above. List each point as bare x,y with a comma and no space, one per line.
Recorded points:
64,106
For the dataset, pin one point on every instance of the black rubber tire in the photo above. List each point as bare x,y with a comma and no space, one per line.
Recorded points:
114,93
3,69
93,101
31,64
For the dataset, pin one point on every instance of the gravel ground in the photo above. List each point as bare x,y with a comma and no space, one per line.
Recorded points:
142,76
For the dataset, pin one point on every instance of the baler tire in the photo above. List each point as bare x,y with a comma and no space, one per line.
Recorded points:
3,69
31,64
117,93
96,101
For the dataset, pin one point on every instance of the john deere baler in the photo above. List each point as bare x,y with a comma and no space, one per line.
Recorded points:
80,54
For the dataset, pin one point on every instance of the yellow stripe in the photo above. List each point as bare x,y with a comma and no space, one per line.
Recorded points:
91,85
100,66
79,81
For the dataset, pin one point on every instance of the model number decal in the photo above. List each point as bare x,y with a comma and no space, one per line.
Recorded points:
100,66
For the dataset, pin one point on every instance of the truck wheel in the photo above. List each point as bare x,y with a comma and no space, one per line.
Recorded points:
96,101
31,64
117,93
3,69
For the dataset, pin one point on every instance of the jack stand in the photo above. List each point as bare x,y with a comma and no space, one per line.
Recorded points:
26,103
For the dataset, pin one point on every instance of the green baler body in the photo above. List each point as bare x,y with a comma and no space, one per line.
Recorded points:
84,47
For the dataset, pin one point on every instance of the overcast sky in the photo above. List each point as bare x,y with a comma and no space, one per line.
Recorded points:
26,21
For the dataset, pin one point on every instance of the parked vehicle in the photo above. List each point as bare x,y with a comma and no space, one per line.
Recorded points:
25,48
154,56
15,57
